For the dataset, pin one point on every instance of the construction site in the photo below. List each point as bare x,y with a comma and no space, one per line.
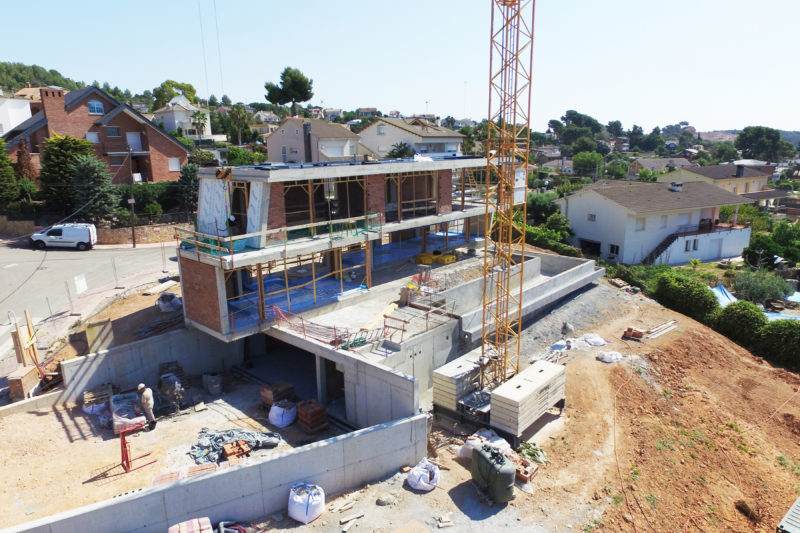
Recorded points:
337,324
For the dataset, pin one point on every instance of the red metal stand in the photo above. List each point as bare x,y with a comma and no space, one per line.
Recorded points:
127,460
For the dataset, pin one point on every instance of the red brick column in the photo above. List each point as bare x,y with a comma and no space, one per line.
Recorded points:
276,216
444,196
376,195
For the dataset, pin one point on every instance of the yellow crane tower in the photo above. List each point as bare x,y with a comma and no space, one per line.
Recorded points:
507,148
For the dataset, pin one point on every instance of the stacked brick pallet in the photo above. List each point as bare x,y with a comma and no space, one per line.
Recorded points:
281,390
23,382
311,416
522,400
455,380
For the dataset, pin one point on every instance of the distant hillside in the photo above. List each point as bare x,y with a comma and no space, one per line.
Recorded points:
729,135
14,76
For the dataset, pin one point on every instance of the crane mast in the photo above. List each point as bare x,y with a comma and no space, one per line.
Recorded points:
507,148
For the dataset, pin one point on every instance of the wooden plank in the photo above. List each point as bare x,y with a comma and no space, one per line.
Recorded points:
158,289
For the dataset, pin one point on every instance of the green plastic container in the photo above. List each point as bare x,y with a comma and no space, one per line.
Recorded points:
493,473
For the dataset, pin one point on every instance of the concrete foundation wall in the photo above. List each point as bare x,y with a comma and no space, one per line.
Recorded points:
421,354
138,362
253,490
374,393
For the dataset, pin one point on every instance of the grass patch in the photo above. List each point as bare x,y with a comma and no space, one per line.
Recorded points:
651,500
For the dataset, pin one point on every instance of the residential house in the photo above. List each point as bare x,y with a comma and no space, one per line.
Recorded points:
332,114
316,112
657,165
688,153
132,146
738,179
430,118
465,123
367,111
263,129
394,114
622,144
33,95
671,144
141,107
13,111
643,222
177,116
268,117
299,140
422,136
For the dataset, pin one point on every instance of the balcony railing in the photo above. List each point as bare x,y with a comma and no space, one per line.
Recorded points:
122,147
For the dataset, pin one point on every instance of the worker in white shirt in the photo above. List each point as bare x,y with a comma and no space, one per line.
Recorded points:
146,397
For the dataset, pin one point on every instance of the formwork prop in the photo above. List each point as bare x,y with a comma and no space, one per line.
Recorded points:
127,460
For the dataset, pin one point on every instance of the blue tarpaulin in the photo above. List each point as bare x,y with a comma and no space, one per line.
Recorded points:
723,296
793,297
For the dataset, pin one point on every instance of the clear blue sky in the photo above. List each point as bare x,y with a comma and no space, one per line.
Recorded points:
719,64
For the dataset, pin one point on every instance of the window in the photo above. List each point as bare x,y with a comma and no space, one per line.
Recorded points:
381,129
641,223
688,247
694,244
746,187
54,232
613,249
112,131
297,132
116,160
591,217
95,107
663,221
174,164
92,137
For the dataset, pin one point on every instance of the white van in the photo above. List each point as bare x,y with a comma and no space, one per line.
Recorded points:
80,236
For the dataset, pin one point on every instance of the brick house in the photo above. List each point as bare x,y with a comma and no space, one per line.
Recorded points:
127,142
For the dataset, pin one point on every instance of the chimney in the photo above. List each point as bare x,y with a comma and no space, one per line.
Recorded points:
54,112
307,140
676,187
739,171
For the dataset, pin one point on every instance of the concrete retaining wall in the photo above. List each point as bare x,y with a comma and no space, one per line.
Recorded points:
421,354
16,228
251,491
138,361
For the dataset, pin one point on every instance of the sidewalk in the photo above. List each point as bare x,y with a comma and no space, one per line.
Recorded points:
9,239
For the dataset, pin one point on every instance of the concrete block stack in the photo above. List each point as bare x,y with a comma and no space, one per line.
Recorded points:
455,380
522,400
274,393
311,415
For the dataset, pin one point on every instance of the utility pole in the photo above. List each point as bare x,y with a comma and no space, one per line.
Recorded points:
131,200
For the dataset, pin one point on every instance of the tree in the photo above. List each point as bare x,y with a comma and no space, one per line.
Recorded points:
760,142
760,286
400,150
468,143
541,206
584,144
560,224
647,175
449,122
725,151
614,128
9,191
226,100
586,163
573,118
635,137
572,133
239,118
294,87
24,167
199,119
55,177
212,101
170,88
92,188
188,185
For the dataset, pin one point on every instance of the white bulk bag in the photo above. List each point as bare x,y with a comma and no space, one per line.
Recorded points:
424,476
306,502
282,416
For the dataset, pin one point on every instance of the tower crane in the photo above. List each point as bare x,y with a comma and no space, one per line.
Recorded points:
507,148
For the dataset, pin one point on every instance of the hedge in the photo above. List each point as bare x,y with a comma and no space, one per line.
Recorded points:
686,295
741,322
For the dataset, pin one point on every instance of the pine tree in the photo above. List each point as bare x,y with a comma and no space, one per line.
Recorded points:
92,186
55,178
24,167
188,185
8,183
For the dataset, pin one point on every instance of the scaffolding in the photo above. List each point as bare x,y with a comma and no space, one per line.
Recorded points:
508,143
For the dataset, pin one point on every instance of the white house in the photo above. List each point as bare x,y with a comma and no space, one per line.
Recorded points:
638,222
422,136
13,111
293,142
267,117
178,114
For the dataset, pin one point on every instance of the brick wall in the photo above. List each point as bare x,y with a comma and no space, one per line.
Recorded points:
161,149
376,195
144,234
276,217
444,193
199,289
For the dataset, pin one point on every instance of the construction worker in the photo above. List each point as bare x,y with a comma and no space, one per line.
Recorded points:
146,397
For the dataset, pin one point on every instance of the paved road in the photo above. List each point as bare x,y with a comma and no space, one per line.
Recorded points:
31,278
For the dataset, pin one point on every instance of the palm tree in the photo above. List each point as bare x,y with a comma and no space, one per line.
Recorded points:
199,120
239,118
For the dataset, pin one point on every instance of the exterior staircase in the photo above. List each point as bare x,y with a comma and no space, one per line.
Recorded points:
660,249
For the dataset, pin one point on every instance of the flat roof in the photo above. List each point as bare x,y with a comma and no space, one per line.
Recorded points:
278,172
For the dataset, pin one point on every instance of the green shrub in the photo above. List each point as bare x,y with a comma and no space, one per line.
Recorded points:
760,252
685,295
760,286
153,210
741,322
201,157
21,209
778,342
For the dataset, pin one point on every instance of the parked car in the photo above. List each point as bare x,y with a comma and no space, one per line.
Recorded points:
80,236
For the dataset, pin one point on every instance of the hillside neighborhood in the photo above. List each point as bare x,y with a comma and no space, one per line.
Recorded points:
395,321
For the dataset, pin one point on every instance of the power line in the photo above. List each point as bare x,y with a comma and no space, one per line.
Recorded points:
203,43
219,52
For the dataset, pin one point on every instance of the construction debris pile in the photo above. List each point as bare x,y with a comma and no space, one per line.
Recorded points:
210,446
